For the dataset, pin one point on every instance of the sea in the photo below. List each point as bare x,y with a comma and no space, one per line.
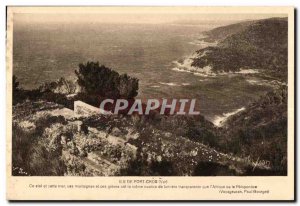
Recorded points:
153,53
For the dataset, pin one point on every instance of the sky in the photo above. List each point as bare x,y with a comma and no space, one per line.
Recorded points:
135,16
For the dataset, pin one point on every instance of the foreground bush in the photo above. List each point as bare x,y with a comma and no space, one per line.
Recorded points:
101,80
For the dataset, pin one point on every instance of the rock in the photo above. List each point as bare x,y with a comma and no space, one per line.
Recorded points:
63,140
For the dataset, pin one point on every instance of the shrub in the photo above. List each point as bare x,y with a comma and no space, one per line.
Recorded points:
61,86
102,81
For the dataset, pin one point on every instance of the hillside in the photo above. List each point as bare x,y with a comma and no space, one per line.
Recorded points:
116,145
260,130
260,45
49,139
220,33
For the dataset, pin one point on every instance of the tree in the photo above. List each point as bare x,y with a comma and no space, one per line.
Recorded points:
128,86
61,86
105,82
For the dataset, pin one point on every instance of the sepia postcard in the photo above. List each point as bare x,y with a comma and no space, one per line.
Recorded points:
150,103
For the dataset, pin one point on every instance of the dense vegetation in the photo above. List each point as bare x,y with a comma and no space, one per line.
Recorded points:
261,130
167,145
33,152
261,45
93,83
220,33
104,82
50,92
